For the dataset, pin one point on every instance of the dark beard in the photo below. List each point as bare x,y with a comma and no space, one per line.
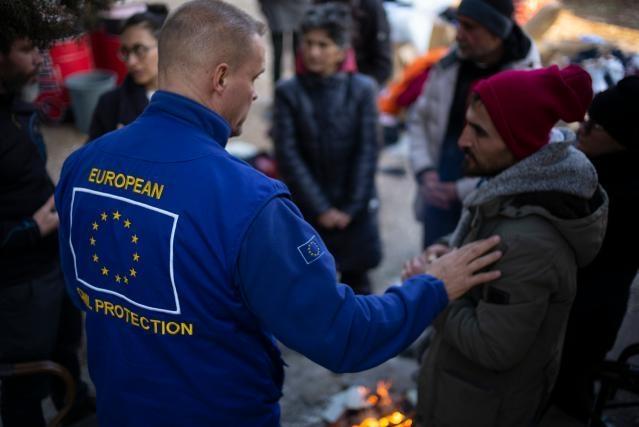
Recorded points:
478,171
466,164
13,85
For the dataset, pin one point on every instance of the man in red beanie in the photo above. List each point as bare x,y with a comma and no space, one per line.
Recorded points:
495,353
610,138
488,41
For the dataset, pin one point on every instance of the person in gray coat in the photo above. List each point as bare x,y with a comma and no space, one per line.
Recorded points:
488,41
495,354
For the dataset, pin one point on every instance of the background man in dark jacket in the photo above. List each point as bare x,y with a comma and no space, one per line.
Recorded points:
496,351
610,138
488,41
37,321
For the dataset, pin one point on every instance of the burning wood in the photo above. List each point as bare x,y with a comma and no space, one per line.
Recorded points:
357,406
396,419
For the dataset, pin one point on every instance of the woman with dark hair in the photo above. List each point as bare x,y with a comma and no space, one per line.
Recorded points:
326,142
139,51
370,38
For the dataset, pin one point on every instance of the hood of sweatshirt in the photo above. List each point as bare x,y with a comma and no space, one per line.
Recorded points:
558,183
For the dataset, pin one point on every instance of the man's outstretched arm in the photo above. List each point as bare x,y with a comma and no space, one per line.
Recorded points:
288,280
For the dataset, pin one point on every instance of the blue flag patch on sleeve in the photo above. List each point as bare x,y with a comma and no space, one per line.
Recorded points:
124,248
312,250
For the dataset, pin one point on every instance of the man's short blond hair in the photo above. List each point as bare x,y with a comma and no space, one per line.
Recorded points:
204,33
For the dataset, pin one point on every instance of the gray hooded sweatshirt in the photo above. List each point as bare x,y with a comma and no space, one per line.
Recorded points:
496,351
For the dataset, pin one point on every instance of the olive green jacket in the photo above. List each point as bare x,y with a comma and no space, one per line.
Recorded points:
495,353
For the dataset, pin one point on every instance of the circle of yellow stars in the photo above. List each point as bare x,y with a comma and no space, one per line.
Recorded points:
118,277
313,249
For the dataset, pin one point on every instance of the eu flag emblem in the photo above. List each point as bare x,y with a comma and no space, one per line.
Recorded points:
312,250
124,248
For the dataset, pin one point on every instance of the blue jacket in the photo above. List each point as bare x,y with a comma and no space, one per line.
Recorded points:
188,262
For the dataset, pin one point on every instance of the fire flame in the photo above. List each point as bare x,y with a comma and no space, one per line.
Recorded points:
381,399
382,392
396,419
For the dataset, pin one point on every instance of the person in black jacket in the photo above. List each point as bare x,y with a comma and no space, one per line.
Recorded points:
370,38
37,320
610,138
139,51
326,143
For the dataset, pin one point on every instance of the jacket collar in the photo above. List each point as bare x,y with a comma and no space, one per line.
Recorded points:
557,166
191,112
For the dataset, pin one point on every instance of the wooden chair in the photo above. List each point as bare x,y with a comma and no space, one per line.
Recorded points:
44,367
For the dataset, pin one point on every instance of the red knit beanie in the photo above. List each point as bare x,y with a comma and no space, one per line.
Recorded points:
525,105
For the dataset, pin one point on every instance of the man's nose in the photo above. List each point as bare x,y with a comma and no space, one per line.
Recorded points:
463,141
315,51
131,60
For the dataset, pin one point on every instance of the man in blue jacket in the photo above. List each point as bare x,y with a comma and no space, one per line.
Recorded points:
188,262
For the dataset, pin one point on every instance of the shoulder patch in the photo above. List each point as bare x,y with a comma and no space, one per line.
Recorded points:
311,250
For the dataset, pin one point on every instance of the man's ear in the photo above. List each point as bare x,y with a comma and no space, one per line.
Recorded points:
220,77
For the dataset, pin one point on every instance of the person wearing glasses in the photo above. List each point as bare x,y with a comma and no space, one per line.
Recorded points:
610,139
139,51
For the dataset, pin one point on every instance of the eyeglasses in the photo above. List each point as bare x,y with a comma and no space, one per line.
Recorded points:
139,50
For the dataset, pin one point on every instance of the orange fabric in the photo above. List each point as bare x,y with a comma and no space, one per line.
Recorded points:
387,102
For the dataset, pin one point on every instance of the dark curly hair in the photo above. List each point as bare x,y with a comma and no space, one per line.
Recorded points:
43,21
334,18
40,21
